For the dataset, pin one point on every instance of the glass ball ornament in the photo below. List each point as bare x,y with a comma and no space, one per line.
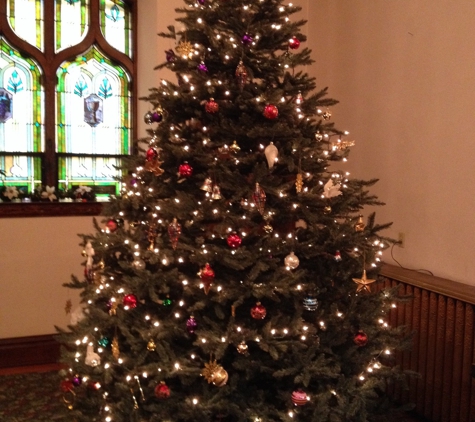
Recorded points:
220,377
191,325
294,43
167,301
211,106
242,348
185,170
112,225
291,261
258,311
271,112
151,154
247,40
130,301
162,391
234,241
77,381
360,339
299,398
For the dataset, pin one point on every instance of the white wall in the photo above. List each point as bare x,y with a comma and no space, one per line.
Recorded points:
404,72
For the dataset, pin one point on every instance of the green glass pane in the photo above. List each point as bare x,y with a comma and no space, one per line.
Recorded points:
116,25
26,20
71,22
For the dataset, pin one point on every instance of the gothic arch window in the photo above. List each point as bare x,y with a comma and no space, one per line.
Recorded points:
66,102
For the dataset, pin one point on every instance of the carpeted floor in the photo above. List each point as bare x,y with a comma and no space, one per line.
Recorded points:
31,397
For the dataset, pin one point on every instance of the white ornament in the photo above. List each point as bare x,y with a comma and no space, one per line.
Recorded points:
89,253
77,315
291,261
271,152
330,190
92,358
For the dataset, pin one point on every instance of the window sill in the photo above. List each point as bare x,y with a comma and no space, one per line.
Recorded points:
49,209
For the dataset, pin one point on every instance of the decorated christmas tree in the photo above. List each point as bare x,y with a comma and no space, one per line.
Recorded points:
235,278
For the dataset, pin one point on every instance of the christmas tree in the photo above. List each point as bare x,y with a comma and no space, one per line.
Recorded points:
229,282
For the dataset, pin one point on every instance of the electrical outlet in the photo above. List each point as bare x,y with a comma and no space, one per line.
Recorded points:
401,240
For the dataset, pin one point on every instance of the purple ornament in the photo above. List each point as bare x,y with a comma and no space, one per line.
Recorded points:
191,325
247,40
76,381
157,115
170,56
202,67
202,2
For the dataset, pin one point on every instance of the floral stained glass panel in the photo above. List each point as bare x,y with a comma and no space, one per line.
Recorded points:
116,25
21,118
26,20
71,22
93,121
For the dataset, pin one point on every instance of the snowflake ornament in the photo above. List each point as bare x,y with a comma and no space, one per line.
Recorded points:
330,190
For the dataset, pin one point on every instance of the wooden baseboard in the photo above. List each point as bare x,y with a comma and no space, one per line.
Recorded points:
33,350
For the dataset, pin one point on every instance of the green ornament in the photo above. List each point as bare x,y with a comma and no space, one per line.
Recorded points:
104,342
167,302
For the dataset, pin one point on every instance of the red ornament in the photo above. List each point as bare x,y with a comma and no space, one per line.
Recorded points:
185,170
130,301
162,391
361,339
66,385
299,398
258,311
294,43
234,241
271,111
112,225
211,106
207,276
151,154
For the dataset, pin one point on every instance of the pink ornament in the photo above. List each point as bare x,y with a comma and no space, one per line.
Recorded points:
191,325
259,197
271,112
234,241
299,398
185,170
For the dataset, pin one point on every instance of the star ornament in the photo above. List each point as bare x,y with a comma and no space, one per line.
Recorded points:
363,283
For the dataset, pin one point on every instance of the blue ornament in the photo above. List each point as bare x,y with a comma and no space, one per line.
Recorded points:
104,342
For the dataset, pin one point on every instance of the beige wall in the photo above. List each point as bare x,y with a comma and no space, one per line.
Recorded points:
404,72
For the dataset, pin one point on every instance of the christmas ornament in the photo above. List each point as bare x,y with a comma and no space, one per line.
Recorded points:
191,325
330,190
139,264
157,115
327,209
294,43
360,225
271,152
326,115
185,49
112,306
170,56
291,261
363,283
202,67
201,2
206,275
162,391
174,232
92,358
234,241
115,347
88,269
241,74
270,111
259,197
151,346
216,193
258,311
299,98
242,348
318,136
151,235
360,339
235,147
214,373
104,342
247,40
299,398
299,183
337,256
76,381
167,301
207,185
310,303
211,106
130,301
152,162
112,225
151,154
185,170
268,228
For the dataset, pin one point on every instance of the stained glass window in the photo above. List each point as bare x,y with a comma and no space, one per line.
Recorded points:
21,118
71,22
116,25
26,20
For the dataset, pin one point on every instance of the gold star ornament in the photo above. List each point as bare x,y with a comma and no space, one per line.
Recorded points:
363,283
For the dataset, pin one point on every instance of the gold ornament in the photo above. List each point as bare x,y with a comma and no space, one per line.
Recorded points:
299,183
360,225
267,227
326,115
151,235
136,405
318,136
207,185
235,147
113,309
241,74
242,348
216,195
185,49
153,166
363,283
215,374
115,348
327,209
339,145
151,346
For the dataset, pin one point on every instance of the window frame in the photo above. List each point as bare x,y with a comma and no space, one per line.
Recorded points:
49,61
